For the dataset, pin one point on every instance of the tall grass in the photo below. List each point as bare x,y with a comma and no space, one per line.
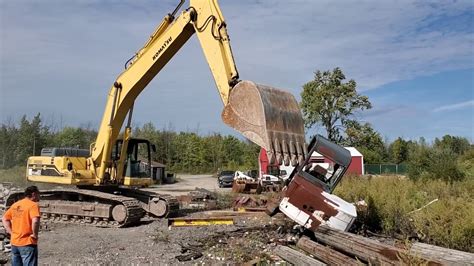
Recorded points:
15,175
393,205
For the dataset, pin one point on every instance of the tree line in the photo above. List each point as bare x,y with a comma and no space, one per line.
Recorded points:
179,151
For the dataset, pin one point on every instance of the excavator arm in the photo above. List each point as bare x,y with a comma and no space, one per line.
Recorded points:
269,117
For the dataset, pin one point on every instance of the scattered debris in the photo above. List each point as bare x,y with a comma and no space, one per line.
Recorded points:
246,186
248,201
428,204
6,188
199,199
191,256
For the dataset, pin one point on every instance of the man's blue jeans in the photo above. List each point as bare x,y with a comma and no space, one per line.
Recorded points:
27,255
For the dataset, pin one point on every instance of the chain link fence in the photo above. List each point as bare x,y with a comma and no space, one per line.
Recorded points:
383,169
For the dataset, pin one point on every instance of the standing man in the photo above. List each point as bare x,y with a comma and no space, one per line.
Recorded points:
22,221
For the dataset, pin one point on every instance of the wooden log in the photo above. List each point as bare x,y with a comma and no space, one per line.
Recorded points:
366,249
295,257
444,255
324,253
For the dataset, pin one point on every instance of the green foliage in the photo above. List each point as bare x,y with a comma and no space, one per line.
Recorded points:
17,144
466,163
398,151
74,137
15,175
8,142
397,207
436,162
329,101
366,140
183,151
191,153
457,145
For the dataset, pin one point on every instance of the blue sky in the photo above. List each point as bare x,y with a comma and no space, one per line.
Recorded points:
414,59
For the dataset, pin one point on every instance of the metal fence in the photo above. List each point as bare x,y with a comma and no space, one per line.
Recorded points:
379,169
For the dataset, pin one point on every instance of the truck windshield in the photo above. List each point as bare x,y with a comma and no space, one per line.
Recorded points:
274,170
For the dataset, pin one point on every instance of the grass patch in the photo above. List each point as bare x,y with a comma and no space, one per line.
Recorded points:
15,175
449,222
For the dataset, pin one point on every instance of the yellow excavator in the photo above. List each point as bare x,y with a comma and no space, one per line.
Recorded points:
107,176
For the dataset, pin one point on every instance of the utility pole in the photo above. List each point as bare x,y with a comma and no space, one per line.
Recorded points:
34,144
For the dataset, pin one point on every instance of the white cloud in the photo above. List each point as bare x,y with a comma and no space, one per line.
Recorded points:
456,106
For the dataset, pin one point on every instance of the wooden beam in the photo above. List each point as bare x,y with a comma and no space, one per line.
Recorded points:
366,249
444,255
324,253
295,257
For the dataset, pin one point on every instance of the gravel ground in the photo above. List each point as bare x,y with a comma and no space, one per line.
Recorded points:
152,242
187,183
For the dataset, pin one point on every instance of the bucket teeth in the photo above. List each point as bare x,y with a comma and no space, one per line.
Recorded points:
269,117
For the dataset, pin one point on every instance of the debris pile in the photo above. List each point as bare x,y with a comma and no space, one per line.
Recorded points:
6,188
336,247
239,245
247,201
198,199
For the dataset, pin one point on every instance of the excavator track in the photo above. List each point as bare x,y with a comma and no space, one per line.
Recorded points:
86,207
172,203
155,204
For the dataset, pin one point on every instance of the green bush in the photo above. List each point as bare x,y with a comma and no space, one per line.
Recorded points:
466,163
434,163
393,205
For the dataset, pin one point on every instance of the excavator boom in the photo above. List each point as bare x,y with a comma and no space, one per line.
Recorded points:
267,116
116,165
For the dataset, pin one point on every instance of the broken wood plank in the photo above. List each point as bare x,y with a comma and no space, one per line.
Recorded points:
366,249
444,255
295,257
324,253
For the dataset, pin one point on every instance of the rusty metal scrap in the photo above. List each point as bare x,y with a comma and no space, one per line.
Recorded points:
249,202
200,198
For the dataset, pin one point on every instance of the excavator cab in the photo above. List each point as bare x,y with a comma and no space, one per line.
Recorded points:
137,164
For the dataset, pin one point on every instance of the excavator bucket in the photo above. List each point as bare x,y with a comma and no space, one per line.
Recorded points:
269,117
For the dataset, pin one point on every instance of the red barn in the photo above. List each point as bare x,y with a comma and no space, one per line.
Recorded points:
357,163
